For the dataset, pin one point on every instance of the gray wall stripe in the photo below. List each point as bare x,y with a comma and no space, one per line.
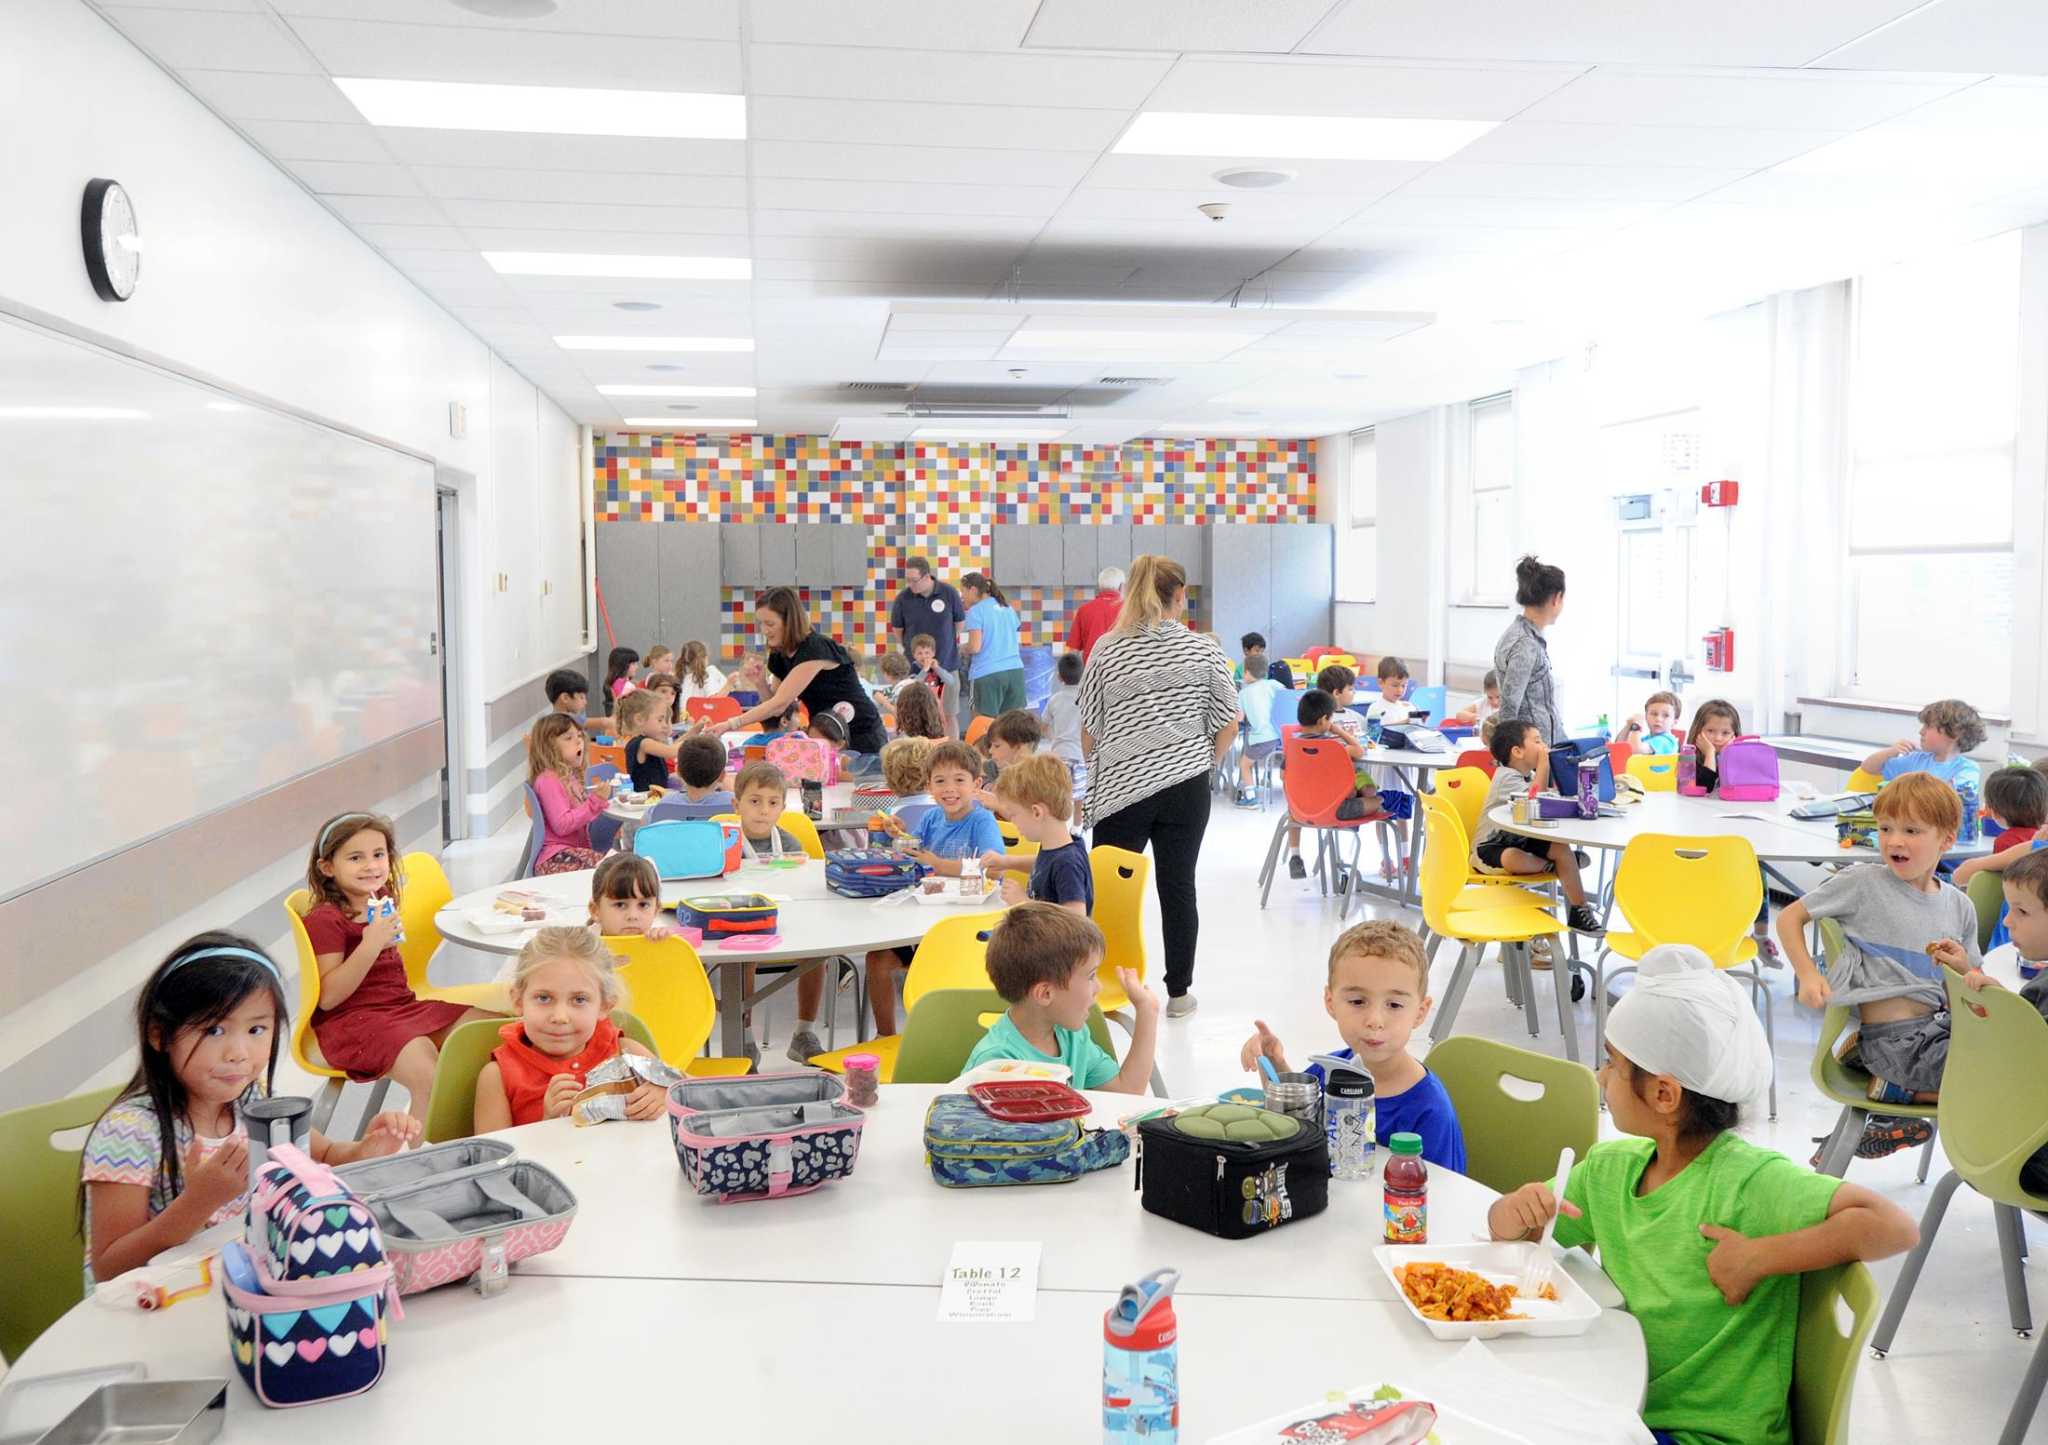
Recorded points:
523,703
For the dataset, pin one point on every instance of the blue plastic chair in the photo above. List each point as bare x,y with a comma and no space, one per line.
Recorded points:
666,846
908,813
1433,700
536,833
604,831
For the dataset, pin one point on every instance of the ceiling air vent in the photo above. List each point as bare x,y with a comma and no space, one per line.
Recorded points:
890,388
1132,381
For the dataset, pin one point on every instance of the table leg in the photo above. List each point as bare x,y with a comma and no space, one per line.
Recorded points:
732,1008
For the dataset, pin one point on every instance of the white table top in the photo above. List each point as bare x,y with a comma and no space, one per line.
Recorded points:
838,805
1770,829
2005,968
1408,758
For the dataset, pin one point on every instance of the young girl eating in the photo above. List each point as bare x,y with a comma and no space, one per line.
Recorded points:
170,1157
554,765
369,1021
1704,1233
563,989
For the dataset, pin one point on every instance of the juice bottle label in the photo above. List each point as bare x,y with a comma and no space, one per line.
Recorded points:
1407,1216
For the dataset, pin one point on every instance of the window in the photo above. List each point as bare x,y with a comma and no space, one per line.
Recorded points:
1360,582
1482,521
1929,538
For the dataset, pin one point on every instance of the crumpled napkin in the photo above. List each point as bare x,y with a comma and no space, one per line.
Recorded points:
1544,1412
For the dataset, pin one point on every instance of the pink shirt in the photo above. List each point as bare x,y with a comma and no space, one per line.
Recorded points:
565,822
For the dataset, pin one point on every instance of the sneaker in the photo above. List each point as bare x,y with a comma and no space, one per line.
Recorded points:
1887,1134
1580,857
1247,798
1582,919
803,1045
1541,957
1295,867
1180,1006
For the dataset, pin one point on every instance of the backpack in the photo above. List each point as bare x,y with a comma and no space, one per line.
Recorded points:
805,760
1749,771
1564,767
967,1147
870,872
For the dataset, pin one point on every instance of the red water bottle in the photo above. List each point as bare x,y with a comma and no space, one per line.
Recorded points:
1406,1181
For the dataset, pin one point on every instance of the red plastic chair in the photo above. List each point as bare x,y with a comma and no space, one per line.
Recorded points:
711,709
1318,777
1618,754
1478,758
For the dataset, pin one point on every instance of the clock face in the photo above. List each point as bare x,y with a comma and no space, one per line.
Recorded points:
113,240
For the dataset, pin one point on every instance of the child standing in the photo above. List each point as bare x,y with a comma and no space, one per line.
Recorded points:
625,898
554,766
924,667
1523,765
170,1156
1377,991
1261,732
1062,714
1948,729
563,989
1704,1233
1037,795
1902,924
1043,960
700,768
1650,730
368,1020
1714,726
618,672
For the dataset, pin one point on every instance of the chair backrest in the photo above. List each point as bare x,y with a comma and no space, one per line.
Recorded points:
1657,772
1465,789
305,1048
425,894
943,1027
42,1269
1446,865
1993,1110
1825,1354
1120,878
1618,755
668,990
1987,893
1478,758
1432,700
954,954
451,1103
711,709
536,834
1317,778
596,753
1862,782
793,822
1678,888
908,813
1510,1141
976,728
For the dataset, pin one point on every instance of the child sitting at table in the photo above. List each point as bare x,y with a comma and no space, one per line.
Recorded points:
748,683
170,1156
563,991
625,898
644,721
1043,960
367,1019
918,714
1948,729
1902,925
1522,762
662,686
1650,730
1012,735
1714,726
761,795
2015,812
1390,707
1474,713
568,693
700,768
1036,794
1377,991
554,768
1316,713
906,763
660,662
696,674
1704,1233
894,669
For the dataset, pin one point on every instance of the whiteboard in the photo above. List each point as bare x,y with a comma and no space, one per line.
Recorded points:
199,599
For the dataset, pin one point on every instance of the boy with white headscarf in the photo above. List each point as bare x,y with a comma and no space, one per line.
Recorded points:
1704,1233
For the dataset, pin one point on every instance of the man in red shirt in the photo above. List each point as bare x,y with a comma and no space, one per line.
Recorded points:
1098,614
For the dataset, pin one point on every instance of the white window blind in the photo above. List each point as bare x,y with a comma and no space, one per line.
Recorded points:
1482,521
1361,582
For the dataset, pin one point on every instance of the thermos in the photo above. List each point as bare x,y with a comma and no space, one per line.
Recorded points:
282,1119
1141,1364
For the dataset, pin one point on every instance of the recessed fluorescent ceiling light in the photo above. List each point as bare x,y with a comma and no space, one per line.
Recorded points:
689,423
655,343
1306,137
1048,343
675,390
665,268
547,109
71,413
988,433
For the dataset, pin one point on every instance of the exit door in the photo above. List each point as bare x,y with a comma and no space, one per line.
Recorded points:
1651,466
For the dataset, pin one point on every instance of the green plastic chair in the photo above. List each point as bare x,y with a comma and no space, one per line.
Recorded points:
1994,1117
451,1103
1824,1357
42,1270
946,1024
1987,892
1851,1087
1510,1142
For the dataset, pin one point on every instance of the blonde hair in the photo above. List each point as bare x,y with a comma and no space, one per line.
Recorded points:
1149,592
639,708
581,945
544,755
694,658
893,665
905,762
1921,798
1038,778
1382,938
654,655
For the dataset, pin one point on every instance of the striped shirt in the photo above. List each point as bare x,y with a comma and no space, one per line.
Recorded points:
1154,701
1528,689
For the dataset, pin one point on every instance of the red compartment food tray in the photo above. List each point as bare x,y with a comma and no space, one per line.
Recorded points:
1028,1101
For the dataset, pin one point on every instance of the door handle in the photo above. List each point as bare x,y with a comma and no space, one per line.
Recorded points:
1649,672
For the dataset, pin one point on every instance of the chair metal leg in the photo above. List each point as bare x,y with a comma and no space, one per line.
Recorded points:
2008,1220
2028,1400
1927,1154
1461,979
324,1102
1561,979
1769,1010
1909,1273
1841,1145
1272,860
1511,981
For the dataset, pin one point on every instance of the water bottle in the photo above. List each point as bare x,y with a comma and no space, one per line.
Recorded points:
1347,1117
1688,769
1972,822
1589,787
1141,1363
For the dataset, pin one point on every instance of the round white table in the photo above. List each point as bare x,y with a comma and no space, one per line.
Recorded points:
839,815
1769,828
662,1308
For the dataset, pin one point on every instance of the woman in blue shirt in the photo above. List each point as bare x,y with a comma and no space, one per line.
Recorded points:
995,669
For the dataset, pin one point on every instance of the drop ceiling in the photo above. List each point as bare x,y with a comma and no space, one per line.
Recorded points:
906,156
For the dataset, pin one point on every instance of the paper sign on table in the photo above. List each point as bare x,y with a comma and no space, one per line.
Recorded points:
989,1281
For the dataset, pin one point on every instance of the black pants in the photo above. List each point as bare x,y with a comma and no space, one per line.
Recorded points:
1172,821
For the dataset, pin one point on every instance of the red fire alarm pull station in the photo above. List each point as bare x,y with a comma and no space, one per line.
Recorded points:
1720,648
1720,494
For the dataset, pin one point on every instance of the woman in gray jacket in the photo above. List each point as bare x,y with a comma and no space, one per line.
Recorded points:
1528,689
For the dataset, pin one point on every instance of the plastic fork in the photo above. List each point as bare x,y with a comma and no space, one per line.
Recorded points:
1540,1273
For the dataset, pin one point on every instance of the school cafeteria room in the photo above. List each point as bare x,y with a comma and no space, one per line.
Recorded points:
701,680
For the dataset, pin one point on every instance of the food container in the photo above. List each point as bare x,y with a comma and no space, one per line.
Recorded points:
1298,1096
1571,1313
1025,1101
162,1412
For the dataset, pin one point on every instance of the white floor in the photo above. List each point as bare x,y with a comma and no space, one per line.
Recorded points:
1955,1364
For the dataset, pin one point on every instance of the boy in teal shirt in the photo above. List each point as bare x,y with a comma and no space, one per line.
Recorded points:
1042,959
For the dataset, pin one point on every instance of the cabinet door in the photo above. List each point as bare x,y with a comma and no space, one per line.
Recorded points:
1239,597
739,554
1048,554
1148,538
778,554
1303,560
629,571
850,554
1009,553
1079,554
813,554
690,591
1112,545
1184,544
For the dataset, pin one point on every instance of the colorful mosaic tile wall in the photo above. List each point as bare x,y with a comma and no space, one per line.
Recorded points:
940,501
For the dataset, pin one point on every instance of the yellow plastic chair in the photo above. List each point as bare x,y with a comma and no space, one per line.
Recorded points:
793,822
1120,878
44,1263
1824,1354
1511,1140
1014,841
947,1023
1485,890
1445,873
954,954
424,892
451,1103
1463,791
1657,772
1862,782
669,990
1851,1087
305,1046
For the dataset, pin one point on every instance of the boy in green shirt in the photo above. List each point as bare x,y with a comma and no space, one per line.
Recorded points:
1042,959
1704,1233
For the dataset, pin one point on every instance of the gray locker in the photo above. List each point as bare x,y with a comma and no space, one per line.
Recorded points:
850,554
778,553
690,598
1009,552
1185,545
1303,577
1238,598
813,554
739,554
1079,558
1112,545
628,569
1148,539
1048,555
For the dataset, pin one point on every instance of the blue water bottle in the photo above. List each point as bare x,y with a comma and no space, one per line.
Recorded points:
1141,1363
1972,823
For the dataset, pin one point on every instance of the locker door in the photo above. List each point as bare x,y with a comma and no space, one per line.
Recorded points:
739,552
778,553
1302,563
1183,541
1009,553
1112,545
1048,555
1079,554
850,554
690,592
813,554
1238,598
629,574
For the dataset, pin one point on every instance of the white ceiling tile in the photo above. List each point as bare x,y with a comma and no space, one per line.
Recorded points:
1641,145
931,230
2002,103
1788,100
438,263
1325,87
243,95
244,6
846,73
349,178
1274,26
565,152
517,57
696,20
821,160
1582,183
652,243
388,210
910,197
292,140
1679,32
678,220
875,122
917,24
1797,191
415,238
1362,179
640,188
1278,208
213,39
2010,36
1407,210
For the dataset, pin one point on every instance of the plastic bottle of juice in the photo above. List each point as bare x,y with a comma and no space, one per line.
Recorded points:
1141,1363
1406,1182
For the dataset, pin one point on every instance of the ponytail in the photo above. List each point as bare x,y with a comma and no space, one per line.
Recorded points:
1149,591
986,586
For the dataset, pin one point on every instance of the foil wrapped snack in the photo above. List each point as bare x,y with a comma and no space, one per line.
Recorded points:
606,1087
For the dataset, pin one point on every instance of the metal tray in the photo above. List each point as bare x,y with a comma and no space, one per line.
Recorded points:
146,1412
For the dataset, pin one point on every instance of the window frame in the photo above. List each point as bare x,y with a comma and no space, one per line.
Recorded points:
1467,567
1362,531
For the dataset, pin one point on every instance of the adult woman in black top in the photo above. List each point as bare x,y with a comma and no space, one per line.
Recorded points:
809,667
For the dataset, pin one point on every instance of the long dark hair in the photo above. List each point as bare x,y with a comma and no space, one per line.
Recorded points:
1536,582
986,586
617,665
787,605
181,996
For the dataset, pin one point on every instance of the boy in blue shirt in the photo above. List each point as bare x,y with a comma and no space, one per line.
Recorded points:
1378,992
1650,731
1037,795
1948,729
1261,734
1042,959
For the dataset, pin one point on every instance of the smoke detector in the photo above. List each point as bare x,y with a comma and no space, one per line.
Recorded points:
1254,178
1215,210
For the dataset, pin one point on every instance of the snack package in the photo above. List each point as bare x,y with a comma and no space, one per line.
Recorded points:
607,1087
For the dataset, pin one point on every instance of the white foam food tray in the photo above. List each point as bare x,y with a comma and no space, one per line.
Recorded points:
1571,1313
